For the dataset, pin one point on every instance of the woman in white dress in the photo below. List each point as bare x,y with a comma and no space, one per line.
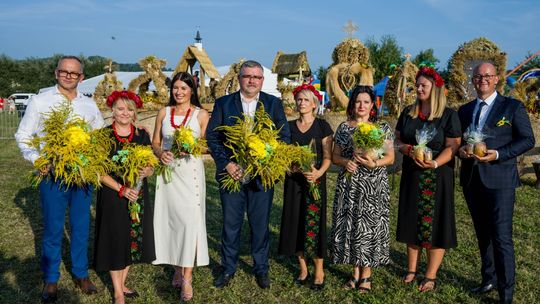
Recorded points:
179,217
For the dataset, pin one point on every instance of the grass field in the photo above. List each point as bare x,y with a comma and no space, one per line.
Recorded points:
21,232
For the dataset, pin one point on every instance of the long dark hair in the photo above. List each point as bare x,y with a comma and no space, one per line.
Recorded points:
352,100
187,79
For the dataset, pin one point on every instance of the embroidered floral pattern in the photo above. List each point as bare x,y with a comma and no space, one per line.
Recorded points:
136,234
426,203
313,216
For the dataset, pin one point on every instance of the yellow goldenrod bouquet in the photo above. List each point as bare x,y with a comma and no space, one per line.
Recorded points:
255,146
186,142
307,158
128,162
78,155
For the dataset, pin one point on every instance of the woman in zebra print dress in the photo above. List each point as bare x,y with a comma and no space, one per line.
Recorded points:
361,203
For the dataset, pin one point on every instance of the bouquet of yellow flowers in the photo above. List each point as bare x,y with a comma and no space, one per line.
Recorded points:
128,162
78,155
307,158
368,138
185,142
255,146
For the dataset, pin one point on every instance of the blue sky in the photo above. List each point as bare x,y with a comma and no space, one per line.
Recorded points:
258,29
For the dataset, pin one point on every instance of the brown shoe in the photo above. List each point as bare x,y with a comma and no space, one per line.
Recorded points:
86,285
49,293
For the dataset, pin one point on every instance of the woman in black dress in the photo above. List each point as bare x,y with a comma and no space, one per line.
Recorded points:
426,194
303,223
361,211
119,241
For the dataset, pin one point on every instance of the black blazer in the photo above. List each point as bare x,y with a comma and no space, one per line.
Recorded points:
225,110
510,141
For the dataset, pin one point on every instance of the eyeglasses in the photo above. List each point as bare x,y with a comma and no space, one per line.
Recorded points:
66,74
252,77
486,77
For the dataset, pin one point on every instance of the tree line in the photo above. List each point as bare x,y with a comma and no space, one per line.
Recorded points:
31,74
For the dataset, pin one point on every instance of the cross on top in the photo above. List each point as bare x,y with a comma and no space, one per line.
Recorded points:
350,28
109,66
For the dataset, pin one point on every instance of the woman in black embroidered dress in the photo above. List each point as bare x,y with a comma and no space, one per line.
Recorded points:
120,241
303,223
426,194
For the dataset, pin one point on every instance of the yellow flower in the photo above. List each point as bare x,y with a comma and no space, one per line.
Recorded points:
365,128
76,136
257,148
186,136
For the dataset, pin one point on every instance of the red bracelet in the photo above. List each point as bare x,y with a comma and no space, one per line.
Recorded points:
121,191
409,150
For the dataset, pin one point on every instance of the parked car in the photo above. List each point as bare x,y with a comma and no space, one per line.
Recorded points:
21,99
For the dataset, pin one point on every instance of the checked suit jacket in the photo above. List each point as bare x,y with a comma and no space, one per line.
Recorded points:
509,132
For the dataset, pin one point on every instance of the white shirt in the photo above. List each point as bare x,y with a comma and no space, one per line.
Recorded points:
485,113
485,110
32,122
249,106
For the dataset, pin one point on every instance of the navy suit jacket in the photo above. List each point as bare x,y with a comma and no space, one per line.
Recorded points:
510,141
225,110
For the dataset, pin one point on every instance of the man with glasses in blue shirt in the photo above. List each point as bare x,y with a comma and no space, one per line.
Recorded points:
55,197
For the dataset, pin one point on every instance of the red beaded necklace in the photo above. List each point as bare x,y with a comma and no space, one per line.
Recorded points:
422,116
173,109
120,139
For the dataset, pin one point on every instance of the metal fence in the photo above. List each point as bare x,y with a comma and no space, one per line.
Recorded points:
9,122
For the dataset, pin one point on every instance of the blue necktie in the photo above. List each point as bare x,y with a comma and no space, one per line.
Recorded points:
477,118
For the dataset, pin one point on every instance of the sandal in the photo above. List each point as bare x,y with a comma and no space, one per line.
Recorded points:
184,295
364,289
405,276
351,284
427,284
177,279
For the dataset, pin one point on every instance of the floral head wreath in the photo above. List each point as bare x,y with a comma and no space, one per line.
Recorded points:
430,72
124,94
308,87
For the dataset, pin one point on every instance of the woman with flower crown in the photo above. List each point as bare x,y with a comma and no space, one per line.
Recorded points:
120,241
303,223
180,222
360,221
426,193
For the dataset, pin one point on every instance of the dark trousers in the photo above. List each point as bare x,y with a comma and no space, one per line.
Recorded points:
54,201
257,203
491,211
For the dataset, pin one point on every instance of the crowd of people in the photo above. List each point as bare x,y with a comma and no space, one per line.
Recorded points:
172,229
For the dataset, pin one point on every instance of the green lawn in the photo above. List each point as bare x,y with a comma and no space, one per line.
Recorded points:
21,230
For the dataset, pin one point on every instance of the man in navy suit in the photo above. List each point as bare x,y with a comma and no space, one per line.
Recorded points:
489,182
252,197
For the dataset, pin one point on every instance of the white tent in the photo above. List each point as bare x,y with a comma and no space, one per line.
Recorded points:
88,86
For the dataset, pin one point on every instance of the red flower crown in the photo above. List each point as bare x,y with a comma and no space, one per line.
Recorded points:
124,94
430,72
308,87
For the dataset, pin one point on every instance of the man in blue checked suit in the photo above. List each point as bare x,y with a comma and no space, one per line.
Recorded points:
252,198
489,182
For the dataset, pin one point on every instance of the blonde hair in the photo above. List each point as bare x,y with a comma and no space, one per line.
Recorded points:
309,94
437,101
130,105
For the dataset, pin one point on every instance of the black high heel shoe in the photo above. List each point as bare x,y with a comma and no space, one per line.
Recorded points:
299,281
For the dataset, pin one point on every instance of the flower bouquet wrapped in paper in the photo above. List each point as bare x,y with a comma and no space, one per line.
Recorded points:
128,162
368,139
78,156
255,146
474,136
423,137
